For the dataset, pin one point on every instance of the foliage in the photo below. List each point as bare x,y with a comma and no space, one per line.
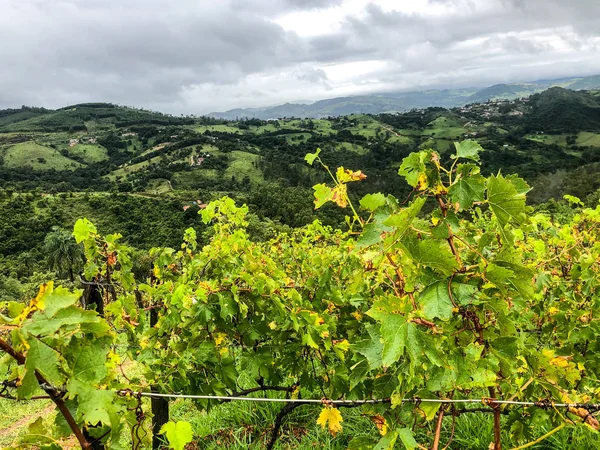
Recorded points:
478,297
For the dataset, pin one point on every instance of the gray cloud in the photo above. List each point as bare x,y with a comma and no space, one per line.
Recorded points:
196,56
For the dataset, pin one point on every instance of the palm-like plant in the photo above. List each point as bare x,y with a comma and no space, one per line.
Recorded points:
62,252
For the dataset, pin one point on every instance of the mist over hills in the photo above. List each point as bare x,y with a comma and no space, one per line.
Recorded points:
404,101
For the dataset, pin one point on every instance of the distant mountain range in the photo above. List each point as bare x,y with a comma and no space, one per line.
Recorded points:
404,101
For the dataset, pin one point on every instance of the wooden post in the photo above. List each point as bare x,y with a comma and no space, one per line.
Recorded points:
160,406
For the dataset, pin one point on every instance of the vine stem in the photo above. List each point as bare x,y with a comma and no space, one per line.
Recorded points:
56,398
496,407
438,429
450,239
541,438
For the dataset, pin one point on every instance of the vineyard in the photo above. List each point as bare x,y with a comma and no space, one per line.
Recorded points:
459,299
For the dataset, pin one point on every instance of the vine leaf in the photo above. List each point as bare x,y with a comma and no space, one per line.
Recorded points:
507,202
82,230
179,434
468,149
371,202
387,442
408,439
436,301
310,157
332,418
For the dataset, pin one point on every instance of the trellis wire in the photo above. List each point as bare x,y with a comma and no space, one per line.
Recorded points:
485,400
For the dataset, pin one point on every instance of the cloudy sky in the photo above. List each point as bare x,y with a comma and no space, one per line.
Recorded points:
197,56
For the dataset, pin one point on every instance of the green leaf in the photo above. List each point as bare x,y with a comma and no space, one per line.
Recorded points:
388,441
310,157
323,194
361,443
468,149
408,439
83,229
436,301
372,348
71,318
45,360
432,254
89,359
412,167
58,299
178,434
94,405
403,219
394,334
506,201
371,202
465,191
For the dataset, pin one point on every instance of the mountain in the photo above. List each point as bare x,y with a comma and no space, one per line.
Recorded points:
404,101
559,110
81,117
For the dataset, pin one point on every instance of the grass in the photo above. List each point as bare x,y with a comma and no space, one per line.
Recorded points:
188,180
159,186
241,165
297,138
38,157
248,425
218,128
126,170
90,153
359,149
588,139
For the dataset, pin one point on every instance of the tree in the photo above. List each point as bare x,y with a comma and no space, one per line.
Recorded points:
62,253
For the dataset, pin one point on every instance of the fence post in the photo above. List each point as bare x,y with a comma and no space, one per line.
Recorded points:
160,406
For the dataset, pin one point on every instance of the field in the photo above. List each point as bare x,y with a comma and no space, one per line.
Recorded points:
38,157
242,165
90,153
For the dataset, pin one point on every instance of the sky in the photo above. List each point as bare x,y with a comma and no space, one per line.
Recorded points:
199,56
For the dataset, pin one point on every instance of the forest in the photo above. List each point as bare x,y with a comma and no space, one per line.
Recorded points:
426,279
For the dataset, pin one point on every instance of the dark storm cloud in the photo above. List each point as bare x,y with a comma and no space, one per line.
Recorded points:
197,56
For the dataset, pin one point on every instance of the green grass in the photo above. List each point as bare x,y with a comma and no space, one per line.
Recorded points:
549,139
15,417
90,153
126,170
242,165
248,425
218,128
297,138
188,180
359,149
38,157
588,139
159,186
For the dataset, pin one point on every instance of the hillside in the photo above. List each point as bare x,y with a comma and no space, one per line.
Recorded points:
404,101
560,110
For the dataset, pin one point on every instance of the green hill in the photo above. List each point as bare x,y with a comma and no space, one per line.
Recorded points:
559,110
37,157
82,117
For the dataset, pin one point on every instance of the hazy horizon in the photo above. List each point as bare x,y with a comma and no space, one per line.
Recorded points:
197,57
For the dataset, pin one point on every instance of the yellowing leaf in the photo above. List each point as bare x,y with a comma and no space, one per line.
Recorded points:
559,361
380,423
422,182
339,195
332,418
345,175
219,338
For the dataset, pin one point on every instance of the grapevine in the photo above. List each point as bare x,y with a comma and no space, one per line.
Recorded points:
459,292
